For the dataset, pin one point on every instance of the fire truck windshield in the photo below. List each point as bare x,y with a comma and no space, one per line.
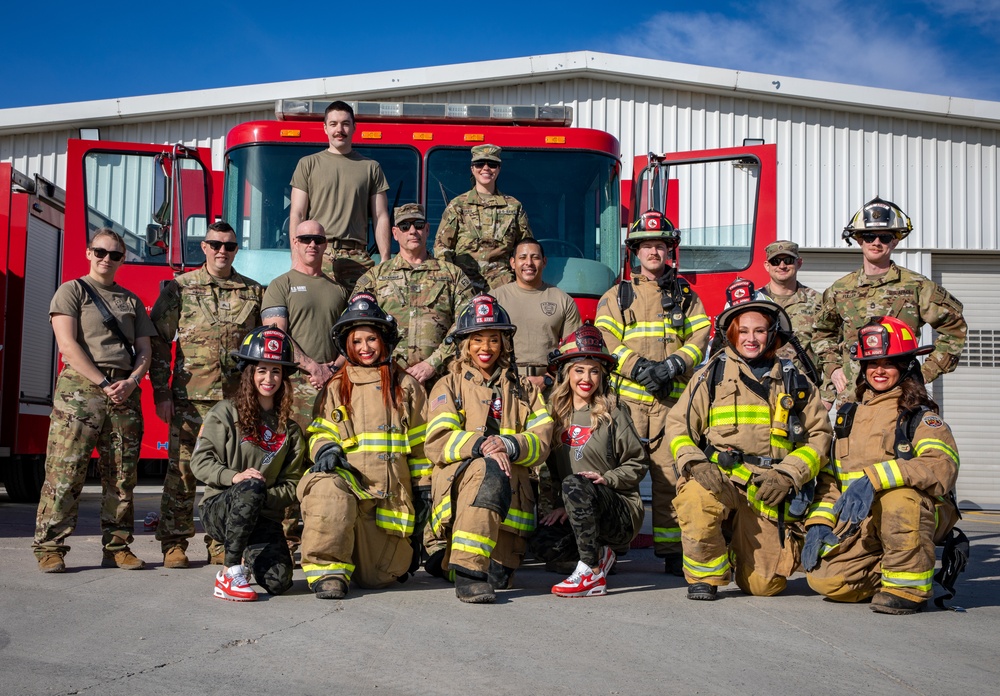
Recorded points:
571,198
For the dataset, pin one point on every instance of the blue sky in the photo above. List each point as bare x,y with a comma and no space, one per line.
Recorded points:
63,52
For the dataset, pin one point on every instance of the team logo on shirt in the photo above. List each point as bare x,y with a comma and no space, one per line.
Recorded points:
266,441
496,407
576,436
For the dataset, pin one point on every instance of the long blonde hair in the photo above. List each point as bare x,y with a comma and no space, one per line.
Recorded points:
602,405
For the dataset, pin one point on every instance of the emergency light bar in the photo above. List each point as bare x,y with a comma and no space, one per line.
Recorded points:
312,110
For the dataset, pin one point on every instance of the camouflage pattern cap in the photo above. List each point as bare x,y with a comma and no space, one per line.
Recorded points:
486,152
409,211
781,248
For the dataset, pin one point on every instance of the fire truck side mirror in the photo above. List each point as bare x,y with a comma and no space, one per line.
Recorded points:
156,239
162,191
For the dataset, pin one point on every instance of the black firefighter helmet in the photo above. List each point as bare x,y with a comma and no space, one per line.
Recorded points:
363,310
267,344
482,314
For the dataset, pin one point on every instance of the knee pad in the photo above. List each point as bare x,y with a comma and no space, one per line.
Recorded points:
495,492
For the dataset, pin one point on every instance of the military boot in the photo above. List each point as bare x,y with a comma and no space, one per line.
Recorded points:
473,590
889,603
123,558
174,557
330,588
51,563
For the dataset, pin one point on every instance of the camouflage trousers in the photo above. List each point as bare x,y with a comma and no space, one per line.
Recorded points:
346,266
304,399
598,516
83,418
179,487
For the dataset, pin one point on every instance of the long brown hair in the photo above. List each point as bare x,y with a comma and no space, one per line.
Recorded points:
912,392
392,392
248,408
561,401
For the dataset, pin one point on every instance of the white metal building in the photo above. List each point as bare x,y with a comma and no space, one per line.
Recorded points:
838,146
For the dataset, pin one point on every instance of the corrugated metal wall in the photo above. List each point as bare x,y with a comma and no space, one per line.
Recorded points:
830,162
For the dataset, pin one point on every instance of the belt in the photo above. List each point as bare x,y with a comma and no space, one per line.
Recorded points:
116,373
345,244
533,370
728,458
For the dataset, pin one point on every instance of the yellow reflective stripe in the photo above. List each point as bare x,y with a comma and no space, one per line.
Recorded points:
913,581
323,431
633,390
715,567
810,457
472,543
929,444
693,352
605,321
733,415
767,511
315,571
779,442
645,330
666,535
678,442
441,513
381,442
396,520
845,478
448,421
521,520
889,475
453,445
534,452
420,466
740,471
417,434
355,485
696,322
824,511
539,417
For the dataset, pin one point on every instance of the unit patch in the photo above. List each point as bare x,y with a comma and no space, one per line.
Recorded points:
932,420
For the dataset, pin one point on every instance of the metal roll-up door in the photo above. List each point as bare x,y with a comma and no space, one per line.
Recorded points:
819,270
41,279
968,396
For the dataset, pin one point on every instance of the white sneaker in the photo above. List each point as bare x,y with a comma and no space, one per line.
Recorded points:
584,582
231,583
607,561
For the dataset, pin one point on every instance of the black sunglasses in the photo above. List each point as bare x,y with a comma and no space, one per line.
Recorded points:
479,164
307,239
216,245
869,237
782,261
101,253
417,224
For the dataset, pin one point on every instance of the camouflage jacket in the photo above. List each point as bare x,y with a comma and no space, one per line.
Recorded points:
425,300
207,317
478,233
802,306
850,302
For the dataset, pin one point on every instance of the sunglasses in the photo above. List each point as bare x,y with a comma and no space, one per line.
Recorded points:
782,261
870,237
100,253
216,245
307,239
416,224
485,163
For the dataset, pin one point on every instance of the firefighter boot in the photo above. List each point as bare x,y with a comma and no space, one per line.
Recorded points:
673,564
330,588
500,576
433,563
473,590
702,591
888,603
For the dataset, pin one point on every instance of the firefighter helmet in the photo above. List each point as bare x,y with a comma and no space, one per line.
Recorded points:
363,310
652,225
585,342
878,215
742,297
481,314
887,337
267,344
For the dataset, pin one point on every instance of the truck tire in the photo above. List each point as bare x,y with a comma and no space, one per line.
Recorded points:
24,477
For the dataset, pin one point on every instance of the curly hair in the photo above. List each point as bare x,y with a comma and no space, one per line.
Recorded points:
248,408
392,391
602,404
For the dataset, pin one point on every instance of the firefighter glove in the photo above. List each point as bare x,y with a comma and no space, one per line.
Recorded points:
709,476
658,375
773,487
816,536
856,502
328,458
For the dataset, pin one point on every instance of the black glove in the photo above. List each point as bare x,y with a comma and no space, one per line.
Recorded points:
640,366
709,476
772,487
658,375
816,536
856,502
328,458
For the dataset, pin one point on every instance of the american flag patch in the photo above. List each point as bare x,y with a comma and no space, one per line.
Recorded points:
439,402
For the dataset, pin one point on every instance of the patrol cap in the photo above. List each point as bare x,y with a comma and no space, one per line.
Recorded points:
487,152
781,248
408,211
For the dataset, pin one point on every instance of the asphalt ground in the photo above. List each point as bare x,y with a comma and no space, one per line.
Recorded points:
157,631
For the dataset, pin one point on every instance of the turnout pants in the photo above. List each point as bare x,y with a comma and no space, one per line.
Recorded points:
761,565
650,422
892,550
83,418
234,517
341,539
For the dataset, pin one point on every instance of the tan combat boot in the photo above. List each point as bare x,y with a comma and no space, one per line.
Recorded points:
175,558
51,563
123,558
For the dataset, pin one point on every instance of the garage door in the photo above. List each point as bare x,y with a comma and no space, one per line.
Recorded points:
968,396
819,270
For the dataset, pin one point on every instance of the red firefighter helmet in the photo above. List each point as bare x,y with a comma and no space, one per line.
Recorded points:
887,337
585,342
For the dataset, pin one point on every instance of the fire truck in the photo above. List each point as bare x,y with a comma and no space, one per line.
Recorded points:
161,198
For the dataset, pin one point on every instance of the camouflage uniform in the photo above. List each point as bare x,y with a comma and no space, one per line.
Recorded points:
850,302
478,232
209,317
802,307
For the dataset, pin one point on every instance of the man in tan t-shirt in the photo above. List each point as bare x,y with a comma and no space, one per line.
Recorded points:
338,188
542,313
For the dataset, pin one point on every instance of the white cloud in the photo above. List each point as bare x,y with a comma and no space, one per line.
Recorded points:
830,41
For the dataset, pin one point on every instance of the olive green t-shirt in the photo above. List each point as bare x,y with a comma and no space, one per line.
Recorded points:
100,344
543,317
340,188
312,305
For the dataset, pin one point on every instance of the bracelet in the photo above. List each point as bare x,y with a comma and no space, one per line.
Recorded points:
136,380
105,384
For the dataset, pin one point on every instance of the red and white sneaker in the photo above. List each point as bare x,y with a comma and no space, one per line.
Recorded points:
584,582
607,561
231,583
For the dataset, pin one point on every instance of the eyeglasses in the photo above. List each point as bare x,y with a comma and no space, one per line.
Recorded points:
782,261
485,163
870,237
417,224
100,253
307,239
216,245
